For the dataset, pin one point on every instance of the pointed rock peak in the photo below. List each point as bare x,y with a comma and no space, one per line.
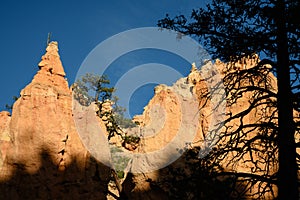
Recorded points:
194,68
194,75
51,62
218,62
52,47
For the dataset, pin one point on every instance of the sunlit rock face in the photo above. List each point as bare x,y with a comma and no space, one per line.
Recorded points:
4,135
163,117
45,158
41,117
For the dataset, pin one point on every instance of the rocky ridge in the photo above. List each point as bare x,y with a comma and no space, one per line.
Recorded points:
43,156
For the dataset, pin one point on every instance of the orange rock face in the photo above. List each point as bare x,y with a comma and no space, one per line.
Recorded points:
165,126
4,135
46,158
43,156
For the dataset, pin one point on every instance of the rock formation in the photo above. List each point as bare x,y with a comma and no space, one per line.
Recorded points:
166,129
45,158
4,135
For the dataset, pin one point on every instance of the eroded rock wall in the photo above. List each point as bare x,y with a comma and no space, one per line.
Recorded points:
46,158
248,162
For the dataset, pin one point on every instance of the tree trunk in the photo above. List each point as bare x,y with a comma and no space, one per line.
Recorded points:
287,174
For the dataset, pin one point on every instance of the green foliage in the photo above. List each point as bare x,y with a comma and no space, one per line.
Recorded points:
129,139
91,88
120,161
109,111
119,111
124,122
120,174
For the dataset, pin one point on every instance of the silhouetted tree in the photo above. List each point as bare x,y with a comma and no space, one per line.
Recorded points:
233,29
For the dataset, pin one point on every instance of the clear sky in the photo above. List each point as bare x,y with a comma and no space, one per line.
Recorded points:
78,26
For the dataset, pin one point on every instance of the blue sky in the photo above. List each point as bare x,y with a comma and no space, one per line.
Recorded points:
78,26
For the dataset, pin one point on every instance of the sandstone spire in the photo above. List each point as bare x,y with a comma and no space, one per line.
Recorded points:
42,117
51,60
45,149
194,68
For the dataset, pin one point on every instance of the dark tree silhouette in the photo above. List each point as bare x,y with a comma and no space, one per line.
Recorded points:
247,145
244,163
235,29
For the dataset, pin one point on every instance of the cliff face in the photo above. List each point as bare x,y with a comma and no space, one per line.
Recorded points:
42,117
45,157
4,135
42,155
244,128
